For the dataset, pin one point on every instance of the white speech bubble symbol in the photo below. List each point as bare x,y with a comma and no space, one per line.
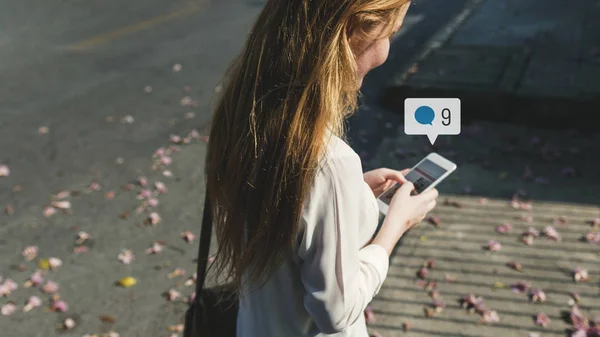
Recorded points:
446,119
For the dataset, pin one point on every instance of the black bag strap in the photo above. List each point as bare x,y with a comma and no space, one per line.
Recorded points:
203,250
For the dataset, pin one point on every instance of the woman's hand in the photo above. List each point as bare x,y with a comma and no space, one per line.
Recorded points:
405,211
381,179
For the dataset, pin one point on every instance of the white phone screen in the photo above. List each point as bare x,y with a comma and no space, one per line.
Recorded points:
421,176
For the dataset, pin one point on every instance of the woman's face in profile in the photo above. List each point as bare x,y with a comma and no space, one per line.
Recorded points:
371,54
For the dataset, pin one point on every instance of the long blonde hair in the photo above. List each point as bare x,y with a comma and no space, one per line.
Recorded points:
295,77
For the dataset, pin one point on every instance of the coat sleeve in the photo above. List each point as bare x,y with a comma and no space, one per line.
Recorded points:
339,277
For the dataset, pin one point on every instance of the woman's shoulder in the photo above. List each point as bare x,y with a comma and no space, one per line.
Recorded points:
339,159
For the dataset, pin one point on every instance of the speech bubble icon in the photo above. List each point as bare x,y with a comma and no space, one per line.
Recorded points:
419,114
424,115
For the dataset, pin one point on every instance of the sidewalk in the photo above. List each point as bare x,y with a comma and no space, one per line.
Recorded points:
534,62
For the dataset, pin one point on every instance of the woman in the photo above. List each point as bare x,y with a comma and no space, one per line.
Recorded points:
295,216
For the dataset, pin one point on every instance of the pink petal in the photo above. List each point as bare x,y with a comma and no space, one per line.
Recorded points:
422,273
504,228
61,204
61,195
81,237
551,233
186,101
520,287
4,171
9,209
527,239
154,218
493,246
188,236
94,186
593,238
50,287
126,256
48,211
449,278
191,298
177,67
148,89
526,218
204,139
142,181
172,295
165,160
532,231
537,296
160,187
128,119
30,252
144,194
577,319
491,316
175,139
594,222
110,195
167,173
176,273
482,201
173,148
561,220
515,265
54,262
542,319
155,248
36,279
580,275
189,115
369,315
152,202
59,306
194,134
69,324
80,249
580,333
32,302
7,309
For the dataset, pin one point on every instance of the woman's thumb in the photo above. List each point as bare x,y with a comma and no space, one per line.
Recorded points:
406,188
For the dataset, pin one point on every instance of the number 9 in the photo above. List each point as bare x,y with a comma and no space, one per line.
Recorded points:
446,117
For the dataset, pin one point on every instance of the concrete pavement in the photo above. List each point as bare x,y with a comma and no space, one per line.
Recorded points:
530,62
77,71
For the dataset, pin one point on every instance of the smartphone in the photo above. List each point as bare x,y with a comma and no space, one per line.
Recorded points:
429,172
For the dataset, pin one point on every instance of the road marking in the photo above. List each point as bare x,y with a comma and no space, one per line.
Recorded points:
136,27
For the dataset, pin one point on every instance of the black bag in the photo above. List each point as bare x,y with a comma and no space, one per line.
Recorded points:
213,313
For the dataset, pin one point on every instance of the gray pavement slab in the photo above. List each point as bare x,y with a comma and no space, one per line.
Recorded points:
534,58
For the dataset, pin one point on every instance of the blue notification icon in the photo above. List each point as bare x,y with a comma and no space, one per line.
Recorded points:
424,115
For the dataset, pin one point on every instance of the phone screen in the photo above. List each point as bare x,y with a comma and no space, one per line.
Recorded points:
421,176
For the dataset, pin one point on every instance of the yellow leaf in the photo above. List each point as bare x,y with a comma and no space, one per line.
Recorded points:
44,264
423,238
127,282
499,285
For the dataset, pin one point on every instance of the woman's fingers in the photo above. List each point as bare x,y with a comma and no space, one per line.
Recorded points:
394,175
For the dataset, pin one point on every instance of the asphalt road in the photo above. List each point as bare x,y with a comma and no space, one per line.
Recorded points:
75,70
